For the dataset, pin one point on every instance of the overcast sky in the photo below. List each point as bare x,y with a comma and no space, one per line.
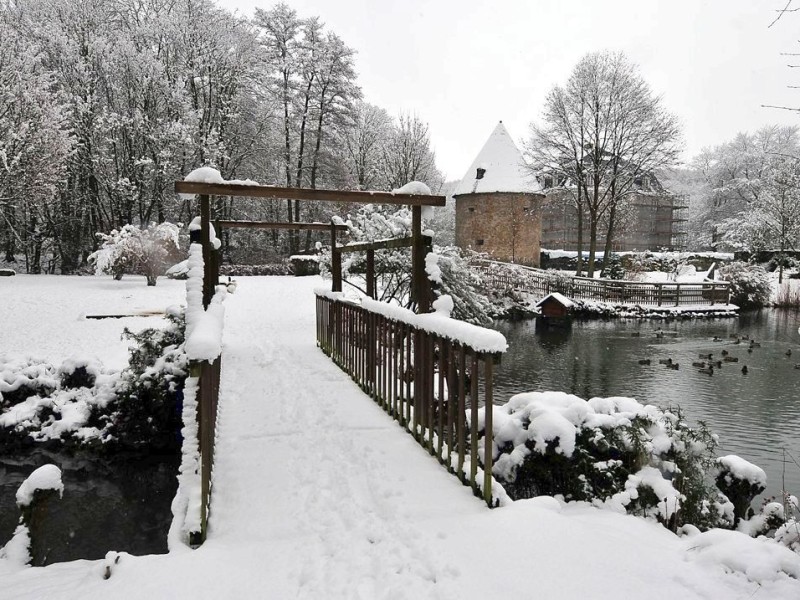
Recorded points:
462,65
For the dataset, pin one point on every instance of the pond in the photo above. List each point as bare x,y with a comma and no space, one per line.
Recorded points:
756,415
120,503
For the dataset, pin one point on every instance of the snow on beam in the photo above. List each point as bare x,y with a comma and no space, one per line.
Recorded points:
273,225
268,191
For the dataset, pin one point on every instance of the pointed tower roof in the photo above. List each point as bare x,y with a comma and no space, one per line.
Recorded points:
499,167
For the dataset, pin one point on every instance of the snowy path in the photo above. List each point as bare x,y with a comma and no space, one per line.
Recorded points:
325,466
319,494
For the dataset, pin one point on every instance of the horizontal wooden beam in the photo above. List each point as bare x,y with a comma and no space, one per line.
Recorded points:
405,242
272,225
268,191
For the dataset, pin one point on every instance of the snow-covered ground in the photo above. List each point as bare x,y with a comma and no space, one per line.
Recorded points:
319,494
44,316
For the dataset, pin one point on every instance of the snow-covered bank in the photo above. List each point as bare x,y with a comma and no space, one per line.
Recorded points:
318,494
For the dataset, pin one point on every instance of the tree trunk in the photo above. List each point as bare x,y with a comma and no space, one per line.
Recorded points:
609,237
579,206
592,244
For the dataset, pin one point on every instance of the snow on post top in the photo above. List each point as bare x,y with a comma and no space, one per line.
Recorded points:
499,167
46,477
205,175
413,187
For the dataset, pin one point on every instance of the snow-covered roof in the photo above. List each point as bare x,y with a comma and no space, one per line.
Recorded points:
503,168
563,300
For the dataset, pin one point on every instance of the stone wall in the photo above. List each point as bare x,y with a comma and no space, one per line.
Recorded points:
507,226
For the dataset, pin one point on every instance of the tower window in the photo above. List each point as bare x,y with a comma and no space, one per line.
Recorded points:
471,209
480,173
479,242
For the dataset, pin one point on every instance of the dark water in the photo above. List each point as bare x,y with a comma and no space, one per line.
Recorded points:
118,504
756,415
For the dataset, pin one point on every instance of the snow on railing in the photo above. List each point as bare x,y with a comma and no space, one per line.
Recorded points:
203,345
203,326
425,370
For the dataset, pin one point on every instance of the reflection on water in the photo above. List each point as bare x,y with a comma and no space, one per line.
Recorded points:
756,415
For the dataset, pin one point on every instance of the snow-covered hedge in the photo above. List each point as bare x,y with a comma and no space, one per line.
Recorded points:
613,452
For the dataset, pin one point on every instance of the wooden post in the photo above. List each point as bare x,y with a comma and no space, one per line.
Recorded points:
488,457
371,274
336,262
677,294
34,516
205,237
419,282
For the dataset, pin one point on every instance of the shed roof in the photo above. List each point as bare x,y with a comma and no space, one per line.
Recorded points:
560,298
504,168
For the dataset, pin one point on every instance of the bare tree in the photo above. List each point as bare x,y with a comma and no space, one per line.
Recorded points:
605,129
363,140
407,155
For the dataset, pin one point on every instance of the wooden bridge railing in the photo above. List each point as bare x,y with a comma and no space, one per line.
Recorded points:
428,382
540,282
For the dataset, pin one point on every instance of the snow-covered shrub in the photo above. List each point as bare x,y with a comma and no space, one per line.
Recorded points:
146,409
133,250
22,379
777,520
641,262
77,374
613,452
282,268
750,284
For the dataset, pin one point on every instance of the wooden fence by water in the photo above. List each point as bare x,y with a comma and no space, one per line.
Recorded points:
541,283
428,383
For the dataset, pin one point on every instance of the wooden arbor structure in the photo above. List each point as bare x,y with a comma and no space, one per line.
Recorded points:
420,290
209,372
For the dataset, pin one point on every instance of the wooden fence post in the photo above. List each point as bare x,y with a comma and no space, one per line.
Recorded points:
371,274
336,262
488,456
205,237
419,282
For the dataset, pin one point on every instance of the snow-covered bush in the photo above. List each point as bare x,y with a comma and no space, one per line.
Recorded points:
750,284
612,268
452,276
613,452
777,520
146,408
133,250
22,378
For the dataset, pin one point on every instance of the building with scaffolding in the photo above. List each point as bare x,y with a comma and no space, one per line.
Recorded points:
649,218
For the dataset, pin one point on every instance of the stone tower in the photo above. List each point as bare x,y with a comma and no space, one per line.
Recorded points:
498,203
